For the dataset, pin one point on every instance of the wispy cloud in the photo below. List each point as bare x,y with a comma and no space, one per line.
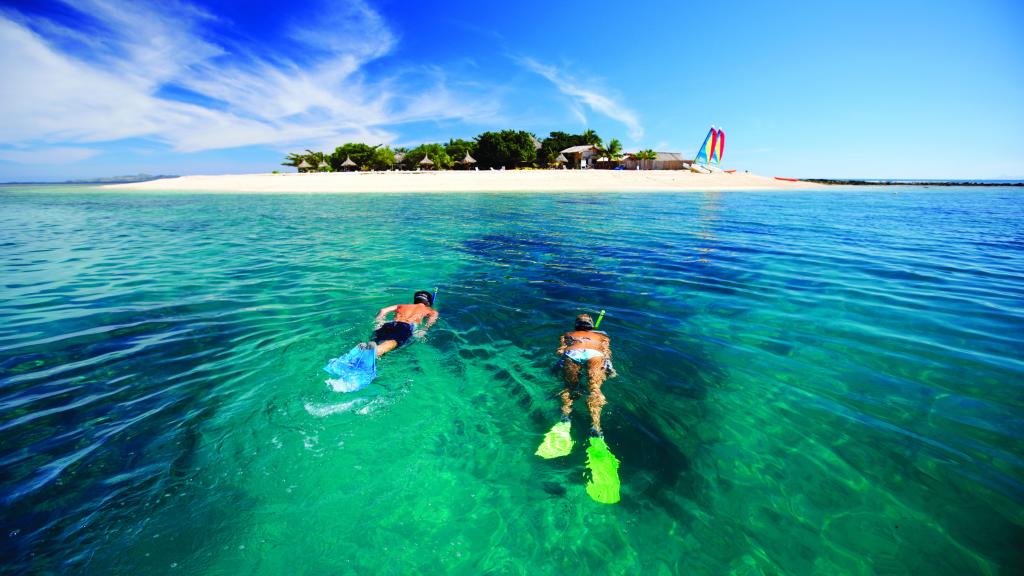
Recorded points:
590,96
65,86
48,156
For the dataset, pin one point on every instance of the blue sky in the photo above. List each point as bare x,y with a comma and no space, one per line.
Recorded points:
884,89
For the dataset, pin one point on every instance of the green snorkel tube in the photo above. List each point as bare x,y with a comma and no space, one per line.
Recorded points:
599,318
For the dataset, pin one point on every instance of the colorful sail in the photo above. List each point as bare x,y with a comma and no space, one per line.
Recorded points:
718,147
704,154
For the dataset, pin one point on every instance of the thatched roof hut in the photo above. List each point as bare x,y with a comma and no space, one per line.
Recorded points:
426,161
348,164
579,154
303,165
561,159
468,159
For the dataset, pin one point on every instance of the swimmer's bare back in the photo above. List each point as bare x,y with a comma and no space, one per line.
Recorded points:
410,313
584,339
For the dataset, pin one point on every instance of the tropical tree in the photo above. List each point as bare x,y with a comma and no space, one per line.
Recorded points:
457,148
293,159
361,154
314,159
553,145
613,150
383,158
648,154
508,148
590,137
436,153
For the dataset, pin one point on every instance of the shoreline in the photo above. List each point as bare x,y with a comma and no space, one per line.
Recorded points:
470,181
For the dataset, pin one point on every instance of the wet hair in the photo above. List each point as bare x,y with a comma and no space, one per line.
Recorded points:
584,322
423,297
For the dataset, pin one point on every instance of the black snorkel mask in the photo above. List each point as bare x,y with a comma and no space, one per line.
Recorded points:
423,297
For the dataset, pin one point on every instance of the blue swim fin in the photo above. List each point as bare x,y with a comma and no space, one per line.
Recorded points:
353,371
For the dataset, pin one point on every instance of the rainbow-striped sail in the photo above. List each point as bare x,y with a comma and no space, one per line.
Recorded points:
712,149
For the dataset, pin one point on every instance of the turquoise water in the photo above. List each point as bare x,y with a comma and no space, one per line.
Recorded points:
809,383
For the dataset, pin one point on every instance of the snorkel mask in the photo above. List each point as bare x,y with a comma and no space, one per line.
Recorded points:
584,322
423,297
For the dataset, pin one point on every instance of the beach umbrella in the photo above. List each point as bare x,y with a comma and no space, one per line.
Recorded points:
303,165
348,163
468,159
324,164
426,161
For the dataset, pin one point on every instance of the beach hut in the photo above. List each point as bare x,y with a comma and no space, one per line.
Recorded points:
303,166
663,161
348,165
561,160
324,166
426,162
467,161
579,155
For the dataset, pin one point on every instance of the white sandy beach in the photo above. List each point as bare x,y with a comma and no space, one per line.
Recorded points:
470,181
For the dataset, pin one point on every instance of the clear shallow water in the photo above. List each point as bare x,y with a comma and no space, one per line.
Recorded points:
810,383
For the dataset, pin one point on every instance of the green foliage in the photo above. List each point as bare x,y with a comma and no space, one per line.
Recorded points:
508,148
436,152
383,159
457,149
553,145
613,150
647,155
314,159
361,154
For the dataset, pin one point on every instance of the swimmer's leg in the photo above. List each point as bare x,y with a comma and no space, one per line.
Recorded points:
595,401
571,375
385,347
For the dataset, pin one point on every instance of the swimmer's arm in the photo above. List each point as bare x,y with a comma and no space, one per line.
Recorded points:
606,348
384,312
432,317
562,346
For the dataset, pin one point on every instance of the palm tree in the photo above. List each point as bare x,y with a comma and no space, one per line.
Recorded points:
613,151
648,154
591,137
293,160
319,160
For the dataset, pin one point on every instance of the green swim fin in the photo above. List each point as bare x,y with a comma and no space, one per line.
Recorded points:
557,442
603,485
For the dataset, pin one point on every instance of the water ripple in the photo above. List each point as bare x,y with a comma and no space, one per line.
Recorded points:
808,383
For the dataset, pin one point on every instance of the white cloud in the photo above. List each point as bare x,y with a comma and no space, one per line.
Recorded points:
48,156
591,97
68,86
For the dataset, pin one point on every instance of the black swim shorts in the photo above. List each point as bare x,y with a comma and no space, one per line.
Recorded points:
398,331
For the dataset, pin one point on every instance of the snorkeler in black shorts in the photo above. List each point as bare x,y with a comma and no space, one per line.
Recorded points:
391,335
